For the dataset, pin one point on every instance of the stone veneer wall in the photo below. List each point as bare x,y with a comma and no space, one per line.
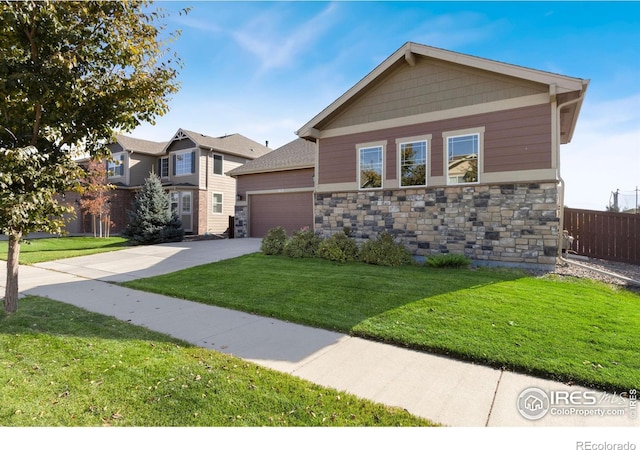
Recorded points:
516,224
241,221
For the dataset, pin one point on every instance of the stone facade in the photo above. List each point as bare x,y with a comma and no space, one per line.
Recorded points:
241,220
507,224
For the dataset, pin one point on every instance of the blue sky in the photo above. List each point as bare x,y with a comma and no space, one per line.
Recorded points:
263,69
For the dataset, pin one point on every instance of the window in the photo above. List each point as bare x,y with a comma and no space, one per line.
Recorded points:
217,203
163,167
217,164
463,154
186,203
413,163
174,201
115,168
184,163
370,167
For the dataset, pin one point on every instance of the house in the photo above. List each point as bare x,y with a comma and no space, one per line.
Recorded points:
276,190
449,153
192,168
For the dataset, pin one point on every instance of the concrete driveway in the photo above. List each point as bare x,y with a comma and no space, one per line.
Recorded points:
150,260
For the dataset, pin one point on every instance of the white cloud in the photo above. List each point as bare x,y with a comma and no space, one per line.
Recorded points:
276,41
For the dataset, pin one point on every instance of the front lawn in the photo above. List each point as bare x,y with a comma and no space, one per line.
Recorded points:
562,328
49,249
64,366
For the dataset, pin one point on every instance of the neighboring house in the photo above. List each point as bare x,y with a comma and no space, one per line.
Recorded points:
192,169
131,163
276,190
449,153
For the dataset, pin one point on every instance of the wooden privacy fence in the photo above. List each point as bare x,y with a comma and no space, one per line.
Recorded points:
605,235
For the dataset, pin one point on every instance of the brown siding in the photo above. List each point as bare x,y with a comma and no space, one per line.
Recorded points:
427,87
291,211
289,179
517,139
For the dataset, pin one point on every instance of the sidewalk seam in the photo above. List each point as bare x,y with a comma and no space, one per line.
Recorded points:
493,400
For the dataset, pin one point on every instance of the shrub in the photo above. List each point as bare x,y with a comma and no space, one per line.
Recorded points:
448,260
339,247
274,241
383,251
302,244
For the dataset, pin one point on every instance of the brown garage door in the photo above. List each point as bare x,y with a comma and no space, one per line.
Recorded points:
291,211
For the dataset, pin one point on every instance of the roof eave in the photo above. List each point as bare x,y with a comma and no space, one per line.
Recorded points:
270,170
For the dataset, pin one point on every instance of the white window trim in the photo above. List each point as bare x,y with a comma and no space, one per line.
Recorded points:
221,203
413,140
460,133
368,145
184,152
121,156
164,158
213,164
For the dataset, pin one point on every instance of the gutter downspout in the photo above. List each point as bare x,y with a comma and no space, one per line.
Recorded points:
560,179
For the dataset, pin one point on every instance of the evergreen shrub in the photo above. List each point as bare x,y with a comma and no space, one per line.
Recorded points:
274,241
384,251
339,247
150,220
303,243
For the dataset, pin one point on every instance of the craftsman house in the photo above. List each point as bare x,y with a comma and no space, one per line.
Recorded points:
449,153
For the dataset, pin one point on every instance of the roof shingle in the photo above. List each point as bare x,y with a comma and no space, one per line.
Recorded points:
297,154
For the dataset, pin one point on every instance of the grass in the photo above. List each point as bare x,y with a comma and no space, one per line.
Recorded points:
567,329
49,249
64,366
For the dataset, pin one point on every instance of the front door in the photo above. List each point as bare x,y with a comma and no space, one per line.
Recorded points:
181,204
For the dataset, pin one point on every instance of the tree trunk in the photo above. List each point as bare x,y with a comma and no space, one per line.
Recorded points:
11,292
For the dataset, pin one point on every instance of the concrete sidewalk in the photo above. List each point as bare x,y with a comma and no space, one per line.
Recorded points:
441,389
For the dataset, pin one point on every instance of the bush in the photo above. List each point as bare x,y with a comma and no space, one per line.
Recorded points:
274,241
339,247
447,260
303,244
385,252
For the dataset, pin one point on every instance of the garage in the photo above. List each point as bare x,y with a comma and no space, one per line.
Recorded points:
290,210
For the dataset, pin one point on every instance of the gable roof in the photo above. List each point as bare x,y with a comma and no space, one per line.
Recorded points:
297,154
143,146
234,144
562,87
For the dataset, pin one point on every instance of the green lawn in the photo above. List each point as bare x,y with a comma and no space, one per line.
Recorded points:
49,249
562,328
64,366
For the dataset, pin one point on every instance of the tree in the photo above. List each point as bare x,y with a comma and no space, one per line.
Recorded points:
96,199
29,202
151,221
72,74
